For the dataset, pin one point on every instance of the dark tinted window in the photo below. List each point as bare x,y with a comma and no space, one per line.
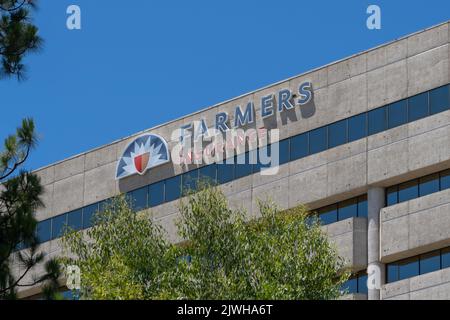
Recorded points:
156,194
105,204
445,258
190,179
337,134
430,262
138,199
348,209
428,185
392,196
357,127
439,99
88,215
173,188
264,155
350,286
299,146
318,140
328,215
408,268
445,180
44,230
392,272
225,172
362,284
398,113
74,220
208,173
283,149
58,225
377,120
243,165
408,191
362,207
418,107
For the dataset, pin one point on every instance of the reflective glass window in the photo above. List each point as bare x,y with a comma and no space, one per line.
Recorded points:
156,194
362,284
173,188
350,286
299,146
328,215
138,199
225,172
418,107
208,173
88,215
428,185
408,191
392,196
377,120
445,180
362,206
348,209
408,268
190,180
74,219
318,140
44,230
392,272
337,134
357,127
445,258
397,113
430,262
243,165
439,99
58,225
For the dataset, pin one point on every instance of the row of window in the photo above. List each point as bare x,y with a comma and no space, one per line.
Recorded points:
418,265
418,188
356,207
290,149
356,284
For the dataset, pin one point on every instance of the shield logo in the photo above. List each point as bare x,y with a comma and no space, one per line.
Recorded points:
141,162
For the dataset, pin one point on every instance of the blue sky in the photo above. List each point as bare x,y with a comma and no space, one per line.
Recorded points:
138,63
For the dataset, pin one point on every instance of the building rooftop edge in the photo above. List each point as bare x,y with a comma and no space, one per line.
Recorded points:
243,95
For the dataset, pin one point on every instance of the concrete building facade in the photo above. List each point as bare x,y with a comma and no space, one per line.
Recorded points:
369,151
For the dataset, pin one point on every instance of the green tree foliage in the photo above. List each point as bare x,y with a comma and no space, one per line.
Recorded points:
19,198
223,256
18,36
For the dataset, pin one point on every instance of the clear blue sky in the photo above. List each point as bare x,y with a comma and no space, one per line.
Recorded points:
139,63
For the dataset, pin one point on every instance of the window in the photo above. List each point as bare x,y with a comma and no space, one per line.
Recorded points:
337,134
243,165
328,215
418,107
74,219
105,204
88,215
156,194
190,179
138,199
362,284
173,188
44,231
58,225
357,127
445,180
445,258
350,286
392,272
362,206
408,268
428,185
408,191
208,173
318,140
225,172
430,262
348,209
398,113
283,149
264,159
299,146
377,120
392,196
439,99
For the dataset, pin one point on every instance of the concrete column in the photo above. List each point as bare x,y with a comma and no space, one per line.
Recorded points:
376,270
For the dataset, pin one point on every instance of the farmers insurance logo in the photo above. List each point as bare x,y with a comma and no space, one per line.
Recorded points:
143,153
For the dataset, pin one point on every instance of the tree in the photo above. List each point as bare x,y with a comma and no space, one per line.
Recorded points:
19,198
17,36
278,256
